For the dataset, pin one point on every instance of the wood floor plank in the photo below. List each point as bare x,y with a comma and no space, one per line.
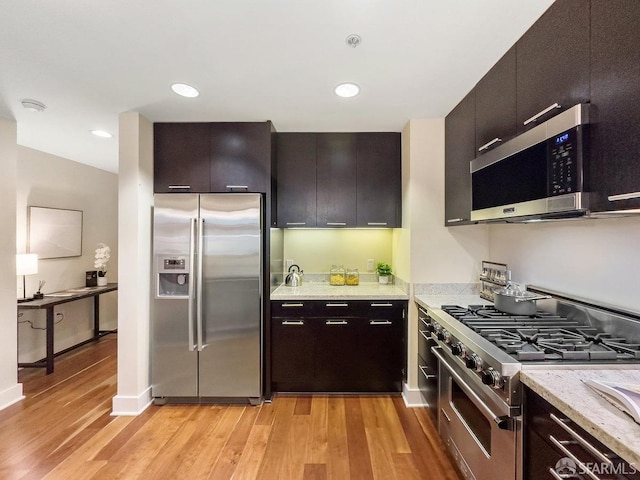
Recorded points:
315,471
64,430
303,405
337,439
253,453
230,455
317,446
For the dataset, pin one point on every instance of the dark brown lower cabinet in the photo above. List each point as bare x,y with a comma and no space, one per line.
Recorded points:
553,443
354,346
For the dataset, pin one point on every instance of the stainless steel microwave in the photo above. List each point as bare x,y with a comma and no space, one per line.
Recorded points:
540,174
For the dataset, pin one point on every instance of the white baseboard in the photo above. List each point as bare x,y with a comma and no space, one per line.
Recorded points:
412,397
122,405
11,395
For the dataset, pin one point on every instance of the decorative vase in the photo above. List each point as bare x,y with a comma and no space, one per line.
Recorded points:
382,279
102,281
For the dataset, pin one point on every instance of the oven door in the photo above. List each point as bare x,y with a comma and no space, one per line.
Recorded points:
475,426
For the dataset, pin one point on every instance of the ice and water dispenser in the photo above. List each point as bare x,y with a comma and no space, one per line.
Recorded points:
173,276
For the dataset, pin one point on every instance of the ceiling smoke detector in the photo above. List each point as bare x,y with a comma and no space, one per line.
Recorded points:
353,40
33,105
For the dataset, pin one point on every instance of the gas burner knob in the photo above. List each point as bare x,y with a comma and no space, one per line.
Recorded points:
431,328
447,336
474,362
492,378
457,349
442,333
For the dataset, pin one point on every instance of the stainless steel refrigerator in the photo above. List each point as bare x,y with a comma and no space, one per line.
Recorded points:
206,312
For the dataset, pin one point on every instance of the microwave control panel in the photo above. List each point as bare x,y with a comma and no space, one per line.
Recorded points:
562,158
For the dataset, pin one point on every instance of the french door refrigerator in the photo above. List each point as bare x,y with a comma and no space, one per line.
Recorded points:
206,312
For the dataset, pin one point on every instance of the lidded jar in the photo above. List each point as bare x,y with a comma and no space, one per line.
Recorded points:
353,276
337,275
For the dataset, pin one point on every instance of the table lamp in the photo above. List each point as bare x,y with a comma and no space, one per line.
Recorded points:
26,264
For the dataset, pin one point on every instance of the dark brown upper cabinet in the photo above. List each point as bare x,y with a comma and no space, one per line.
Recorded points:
496,104
552,63
615,131
181,157
240,156
459,138
296,180
336,180
379,180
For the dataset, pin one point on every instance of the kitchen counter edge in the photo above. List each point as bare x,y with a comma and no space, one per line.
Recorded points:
324,291
565,389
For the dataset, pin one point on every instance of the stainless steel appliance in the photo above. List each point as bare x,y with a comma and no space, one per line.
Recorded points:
481,352
540,174
206,312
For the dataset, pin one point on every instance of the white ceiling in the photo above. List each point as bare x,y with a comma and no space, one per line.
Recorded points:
252,60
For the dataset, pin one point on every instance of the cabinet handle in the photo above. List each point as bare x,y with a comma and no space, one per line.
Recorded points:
382,304
445,415
293,322
565,450
379,224
336,304
540,114
488,145
337,224
289,305
427,375
296,223
380,322
587,446
623,196
455,220
179,187
336,322
237,187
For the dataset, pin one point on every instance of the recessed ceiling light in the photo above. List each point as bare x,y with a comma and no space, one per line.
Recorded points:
102,133
33,105
347,90
185,90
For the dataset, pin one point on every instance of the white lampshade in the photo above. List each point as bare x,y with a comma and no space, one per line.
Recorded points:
26,263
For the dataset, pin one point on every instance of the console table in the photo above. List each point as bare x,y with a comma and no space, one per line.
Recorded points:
48,303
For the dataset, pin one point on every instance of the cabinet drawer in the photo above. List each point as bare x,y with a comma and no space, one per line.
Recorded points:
288,308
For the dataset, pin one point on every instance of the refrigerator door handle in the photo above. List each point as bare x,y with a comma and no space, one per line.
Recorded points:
192,286
199,332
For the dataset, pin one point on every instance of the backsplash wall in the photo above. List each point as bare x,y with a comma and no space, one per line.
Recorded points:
316,250
595,259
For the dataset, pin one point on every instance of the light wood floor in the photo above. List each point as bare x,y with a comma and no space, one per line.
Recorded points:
64,430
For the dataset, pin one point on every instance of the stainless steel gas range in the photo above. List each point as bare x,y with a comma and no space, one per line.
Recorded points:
480,353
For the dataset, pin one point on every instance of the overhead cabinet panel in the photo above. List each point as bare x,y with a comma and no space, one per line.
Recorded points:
553,63
496,104
181,157
240,156
296,180
379,180
459,137
615,136
336,177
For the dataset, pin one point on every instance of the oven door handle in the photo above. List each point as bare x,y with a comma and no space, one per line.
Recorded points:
504,422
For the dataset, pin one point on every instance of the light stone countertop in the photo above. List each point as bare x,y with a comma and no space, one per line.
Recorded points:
565,390
436,301
324,291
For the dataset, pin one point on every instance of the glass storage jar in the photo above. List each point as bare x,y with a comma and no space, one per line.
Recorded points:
337,275
353,277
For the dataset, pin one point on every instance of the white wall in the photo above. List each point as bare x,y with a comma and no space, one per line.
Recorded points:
135,201
46,180
424,249
10,389
595,259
